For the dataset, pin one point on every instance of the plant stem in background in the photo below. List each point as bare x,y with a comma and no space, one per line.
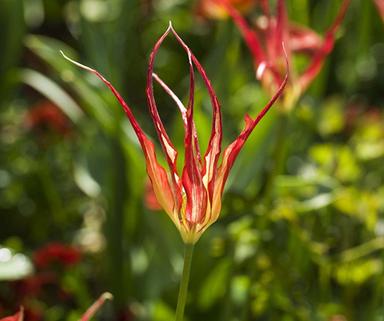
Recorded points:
50,190
115,226
183,291
278,157
227,310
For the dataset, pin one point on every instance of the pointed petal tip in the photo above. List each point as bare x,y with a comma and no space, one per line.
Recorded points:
21,314
107,296
170,26
96,306
65,56
76,63
286,60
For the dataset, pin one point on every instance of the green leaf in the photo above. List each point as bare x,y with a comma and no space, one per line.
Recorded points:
53,92
358,272
214,286
92,99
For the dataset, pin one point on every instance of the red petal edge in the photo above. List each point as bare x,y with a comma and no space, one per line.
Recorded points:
168,148
249,35
156,172
96,306
234,148
317,62
213,151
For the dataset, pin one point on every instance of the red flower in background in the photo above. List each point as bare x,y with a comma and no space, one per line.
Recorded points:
46,284
264,41
380,8
46,116
211,9
192,197
52,253
32,286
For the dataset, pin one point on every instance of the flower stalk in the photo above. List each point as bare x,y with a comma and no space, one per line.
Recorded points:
183,291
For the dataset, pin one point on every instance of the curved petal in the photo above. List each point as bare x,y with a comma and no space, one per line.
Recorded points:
302,39
168,148
212,153
280,31
182,109
96,306
264,61
136,127
160,182
159,178
174,97
231,152
249,35
196,195
317,61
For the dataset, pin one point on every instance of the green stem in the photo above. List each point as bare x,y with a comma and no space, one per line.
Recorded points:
51,192
183,291
228,307
279,157
115,224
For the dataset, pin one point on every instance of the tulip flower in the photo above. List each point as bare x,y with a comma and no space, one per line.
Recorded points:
62,254
192,197
264,42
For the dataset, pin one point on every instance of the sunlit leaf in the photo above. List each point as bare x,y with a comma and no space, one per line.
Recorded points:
14,266
358,272
48,88
214,286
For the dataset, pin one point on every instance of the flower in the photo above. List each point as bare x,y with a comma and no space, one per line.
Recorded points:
380,8
19,316
211,9
192,198
33,286
47,117
56,253
265,40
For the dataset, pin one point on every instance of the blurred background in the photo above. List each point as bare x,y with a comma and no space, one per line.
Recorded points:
300,241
